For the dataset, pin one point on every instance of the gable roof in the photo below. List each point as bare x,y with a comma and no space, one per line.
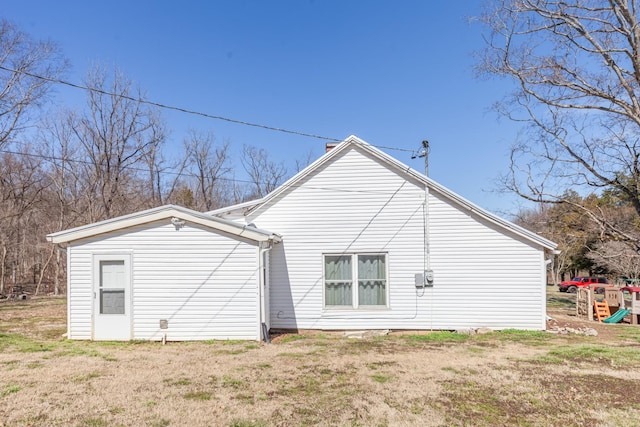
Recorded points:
238,209
357,143
160,213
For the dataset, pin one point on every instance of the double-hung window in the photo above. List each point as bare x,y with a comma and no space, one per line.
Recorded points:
355,280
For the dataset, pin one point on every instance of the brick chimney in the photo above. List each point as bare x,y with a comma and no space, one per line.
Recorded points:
330,146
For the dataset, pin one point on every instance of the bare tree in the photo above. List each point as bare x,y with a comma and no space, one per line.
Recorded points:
22,60
209,168
64,200
164,176
576,66
116,134
264,174
27,70
305,161
21,187
617,257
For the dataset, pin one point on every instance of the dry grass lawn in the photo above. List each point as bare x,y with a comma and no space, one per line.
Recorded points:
440,379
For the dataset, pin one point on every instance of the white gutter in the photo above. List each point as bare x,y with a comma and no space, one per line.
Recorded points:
262,280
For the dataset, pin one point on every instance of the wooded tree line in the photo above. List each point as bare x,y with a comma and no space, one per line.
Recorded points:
68,167
575,65
585,247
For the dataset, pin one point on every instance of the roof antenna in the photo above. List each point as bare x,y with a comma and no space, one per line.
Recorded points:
423,153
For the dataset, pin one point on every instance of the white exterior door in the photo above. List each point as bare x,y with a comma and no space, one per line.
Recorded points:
112,298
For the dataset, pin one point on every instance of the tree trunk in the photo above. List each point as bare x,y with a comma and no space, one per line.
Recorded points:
56,277
44,268
3,259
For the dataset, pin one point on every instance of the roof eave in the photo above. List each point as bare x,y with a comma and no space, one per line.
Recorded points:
158,214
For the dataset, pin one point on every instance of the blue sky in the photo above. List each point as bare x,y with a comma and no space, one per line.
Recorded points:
391,72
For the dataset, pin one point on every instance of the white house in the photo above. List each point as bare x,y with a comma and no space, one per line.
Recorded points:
357,240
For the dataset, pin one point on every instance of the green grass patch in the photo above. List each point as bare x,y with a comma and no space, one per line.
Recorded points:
436,337
95,422
35,365
378,365
245,398
177,382
615,356
263,366
248,423
228,381
357,346
231,351
561,300
521,336
292,337
197,395
379,378
125,345
162,422
11,364
77,348
20,343
291,354
35,420
52,333
85,378
11,342
9,389
631,333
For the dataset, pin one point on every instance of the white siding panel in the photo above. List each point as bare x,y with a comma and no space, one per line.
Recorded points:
80,295
483,275
203,283
486,277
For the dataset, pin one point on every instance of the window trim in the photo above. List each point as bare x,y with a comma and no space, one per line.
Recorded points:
355,305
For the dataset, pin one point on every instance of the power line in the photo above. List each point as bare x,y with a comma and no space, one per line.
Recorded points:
183,110
51,158
168,107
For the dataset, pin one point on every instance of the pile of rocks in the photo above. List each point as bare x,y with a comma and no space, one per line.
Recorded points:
565,330
474,331
554,327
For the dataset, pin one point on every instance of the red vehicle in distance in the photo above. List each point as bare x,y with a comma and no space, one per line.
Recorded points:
582,282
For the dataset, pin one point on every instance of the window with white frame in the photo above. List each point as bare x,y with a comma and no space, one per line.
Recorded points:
355,280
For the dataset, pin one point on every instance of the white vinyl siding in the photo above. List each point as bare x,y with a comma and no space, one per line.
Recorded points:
204,283
494,279
484,274
79,294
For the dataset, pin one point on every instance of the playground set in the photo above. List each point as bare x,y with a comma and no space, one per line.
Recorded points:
617,304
